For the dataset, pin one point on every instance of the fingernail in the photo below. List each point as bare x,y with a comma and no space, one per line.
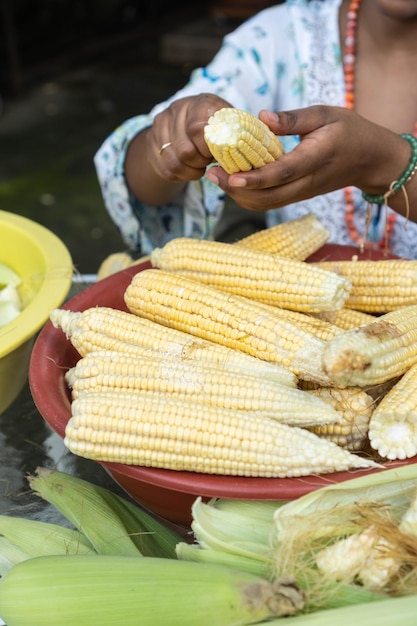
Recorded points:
212,178
237,181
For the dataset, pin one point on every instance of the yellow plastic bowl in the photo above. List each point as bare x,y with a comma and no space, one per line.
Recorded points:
43,262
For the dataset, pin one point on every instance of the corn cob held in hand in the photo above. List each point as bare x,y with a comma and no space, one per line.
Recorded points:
286,283
239,141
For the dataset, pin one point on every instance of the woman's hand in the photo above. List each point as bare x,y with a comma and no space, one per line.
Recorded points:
337,148
180,128
162,158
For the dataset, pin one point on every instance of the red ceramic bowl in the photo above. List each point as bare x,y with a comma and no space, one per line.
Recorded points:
168,493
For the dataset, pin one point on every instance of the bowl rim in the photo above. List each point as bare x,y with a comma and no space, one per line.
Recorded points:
53,290
46,366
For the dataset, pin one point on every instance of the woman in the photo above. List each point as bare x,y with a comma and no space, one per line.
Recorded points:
343,76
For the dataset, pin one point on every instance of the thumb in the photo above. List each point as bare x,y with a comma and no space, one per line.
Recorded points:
297,121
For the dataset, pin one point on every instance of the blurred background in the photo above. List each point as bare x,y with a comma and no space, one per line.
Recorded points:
70,72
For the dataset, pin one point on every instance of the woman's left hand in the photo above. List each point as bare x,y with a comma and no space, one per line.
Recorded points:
337,148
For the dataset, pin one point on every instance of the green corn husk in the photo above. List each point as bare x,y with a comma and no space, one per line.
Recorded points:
239,527
42,538
388,612
292,533
109,590
234,533
375,503
392,486
10,555
112,524
187,552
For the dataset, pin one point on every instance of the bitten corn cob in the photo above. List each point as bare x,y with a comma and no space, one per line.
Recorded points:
393,425
255,274
104,328
377,286
233,321
295,239
374,353
159,431
209,384
239,141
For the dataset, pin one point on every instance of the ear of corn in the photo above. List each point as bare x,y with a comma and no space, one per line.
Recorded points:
318,327
210,385
68,590
112,524
345,318
356,407
159,431
227,319
38,538
374,353
295,239
363,557
255,274
306,527
117,262
408,523
104,328
393,425
10,555
239,141
377,286
367,612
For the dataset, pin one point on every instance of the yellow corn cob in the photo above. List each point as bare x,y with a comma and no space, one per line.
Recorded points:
377,286
209,384
159,431
116,262
295,239
393,425
104,328
311,323
356,407
374,353
239,141
258,275
345,318
229,320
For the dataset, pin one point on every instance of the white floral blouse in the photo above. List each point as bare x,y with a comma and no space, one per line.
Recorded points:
285,57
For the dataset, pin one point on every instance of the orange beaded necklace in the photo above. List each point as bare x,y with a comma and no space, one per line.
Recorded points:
349,61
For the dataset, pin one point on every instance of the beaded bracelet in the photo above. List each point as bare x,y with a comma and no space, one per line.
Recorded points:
405,177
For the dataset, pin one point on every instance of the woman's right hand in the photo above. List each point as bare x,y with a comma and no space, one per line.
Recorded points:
181,128
162,158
